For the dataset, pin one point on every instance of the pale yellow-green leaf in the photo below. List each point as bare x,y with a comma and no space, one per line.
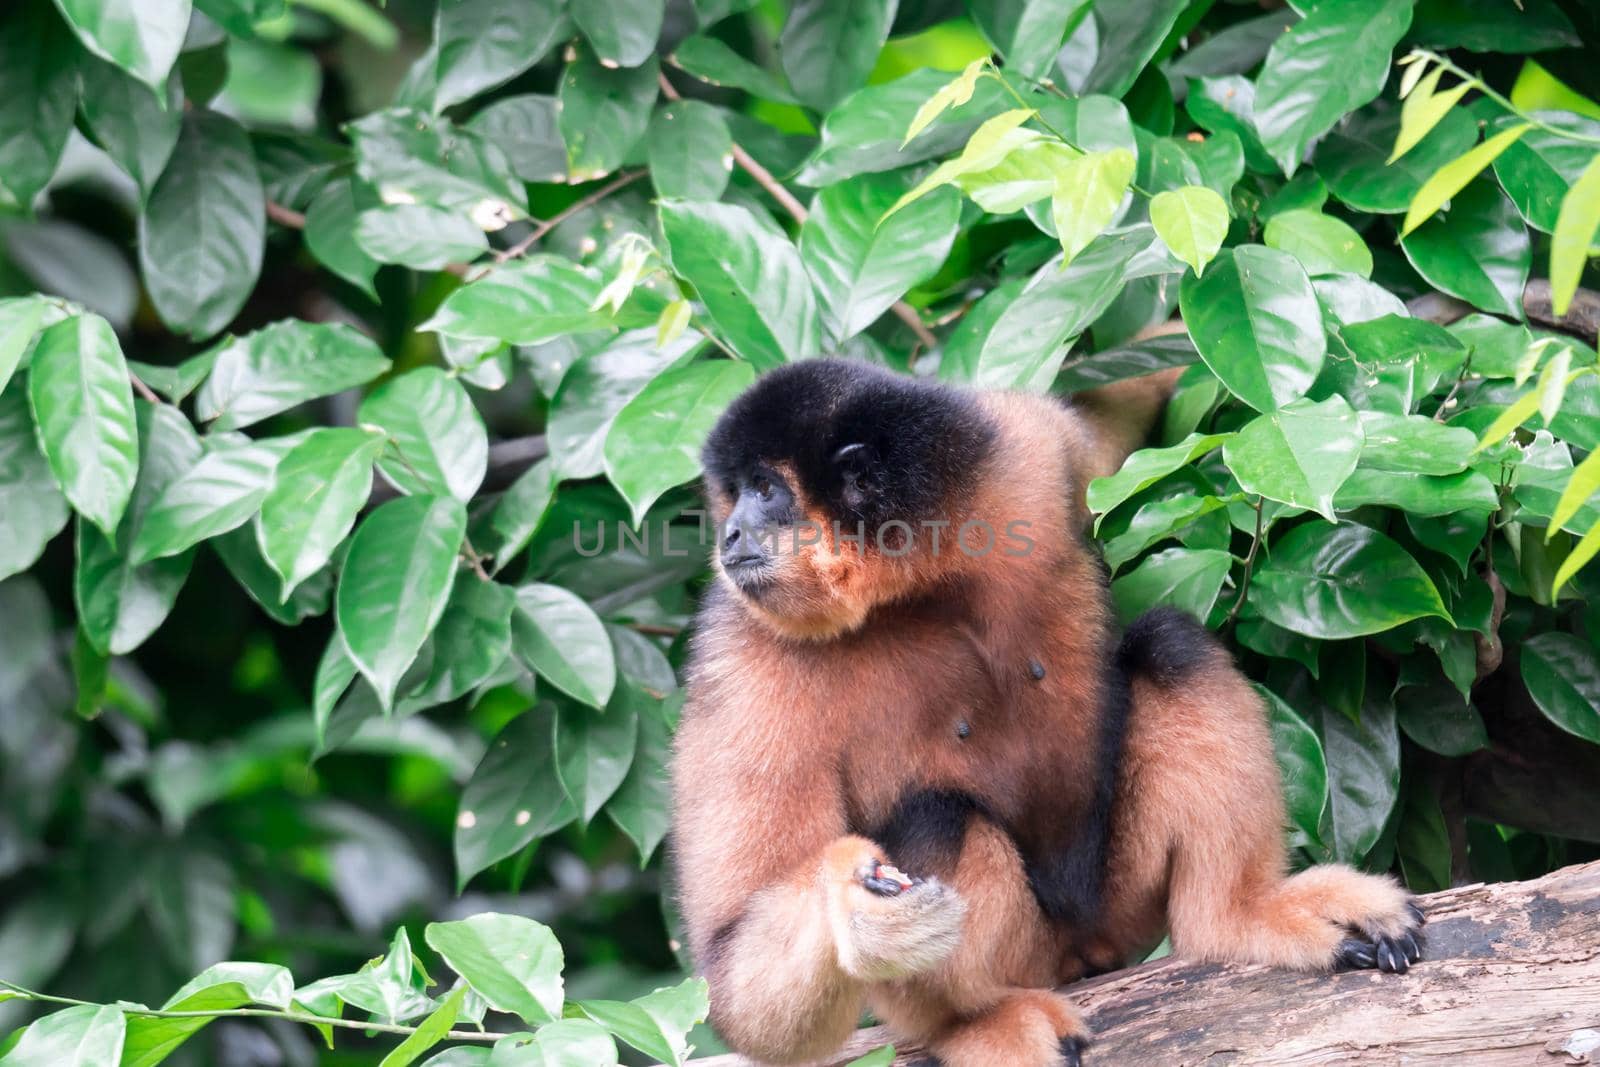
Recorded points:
1026,175
988,145
1192,221
1584,483
1520,411
1422,111
1453,177
954,94
1574,233
1553,384
1528,362
1087,193
1416,66
673,321
635,254
1581,553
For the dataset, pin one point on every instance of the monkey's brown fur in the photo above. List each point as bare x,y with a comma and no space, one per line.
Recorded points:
857,680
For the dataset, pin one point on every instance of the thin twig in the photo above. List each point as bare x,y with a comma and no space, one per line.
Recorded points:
626,178
142,389
652,629
1483,87
797,211
1249,565
285,216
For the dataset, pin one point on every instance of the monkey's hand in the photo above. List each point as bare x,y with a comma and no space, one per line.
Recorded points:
887,924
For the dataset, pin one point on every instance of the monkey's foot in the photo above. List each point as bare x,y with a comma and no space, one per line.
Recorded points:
1389,953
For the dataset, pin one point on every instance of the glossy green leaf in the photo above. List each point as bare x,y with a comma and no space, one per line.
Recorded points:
1327,65
1574,235
472,640
413,157
1322,243
654,442
1184,578
829,46
219,988
437,443
1479,251
89,1035
1192,221
1363,777
317,491
1129,35
1255,319
512,962
21,320
32,509
431,1031
202,232
1336,582
642,804
1414,444
395,583
1353,158
141,38
1562,674
861,262
594,391
690,151
241,554
1299,454
1488,26
1301,762
751,279
1088,192
565,1043
1147,466
513,797
281,366
657,1023
712,61
1027,33
480,44
527,128
1435,717
137,127
331,232
559,636
1455,176
83,410
1229,104
604,113
418,236
1540,166
623,33
38,92
1582,552
594,752
524,303
220,492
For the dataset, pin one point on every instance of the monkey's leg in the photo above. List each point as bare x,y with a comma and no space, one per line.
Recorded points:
789,976
1201,814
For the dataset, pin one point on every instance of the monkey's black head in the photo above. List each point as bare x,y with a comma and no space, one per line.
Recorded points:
834,444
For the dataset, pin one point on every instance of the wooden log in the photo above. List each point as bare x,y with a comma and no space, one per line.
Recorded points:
1511,976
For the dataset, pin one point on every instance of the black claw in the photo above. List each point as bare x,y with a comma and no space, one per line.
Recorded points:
1412,945
884,887
1072,1049
1416,912
1354,955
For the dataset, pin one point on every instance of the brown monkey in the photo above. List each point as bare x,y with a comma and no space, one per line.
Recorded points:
908,662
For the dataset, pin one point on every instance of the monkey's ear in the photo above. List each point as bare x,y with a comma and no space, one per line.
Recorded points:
854,462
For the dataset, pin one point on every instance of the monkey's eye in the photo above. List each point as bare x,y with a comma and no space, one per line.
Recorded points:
762,485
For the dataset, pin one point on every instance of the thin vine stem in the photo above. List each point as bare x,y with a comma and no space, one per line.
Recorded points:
1505,102
1249,564
251,1013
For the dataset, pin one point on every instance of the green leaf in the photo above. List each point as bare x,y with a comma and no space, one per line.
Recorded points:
1185,578
513,797
1435,717
512,962
1563,677
525,302
1192,221
1488,26
1129,37
430,1033
1422,840
32,509
528,130
1301,763
395,584
1423,108
751,279
83,411
1322,243
437,443
1414,444
89,1035
1255,319
623,33
864,132
594,752
1454,176
1582,552
143,39
419,236
136,127
861,262
221,491
1032,335
517,515
565,1043
1352,159
714,62
1026,174
1328,64
241,554
284,365
1336,582
1299,454
203,229
604,113
1145,468
1363,777
38,92
1229,105
480,44
472,640
690,151
1585,483
658,1023
331,232
829,46
222,987
654,442
1418,494
1537,170
413,157
596,389
1478,252
1028,33
642,804
1088,192
1573,237
318,489
560,637
21,319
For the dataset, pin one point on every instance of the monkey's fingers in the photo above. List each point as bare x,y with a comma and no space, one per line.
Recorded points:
887,881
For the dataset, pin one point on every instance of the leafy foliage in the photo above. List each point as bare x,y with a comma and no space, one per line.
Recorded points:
354,365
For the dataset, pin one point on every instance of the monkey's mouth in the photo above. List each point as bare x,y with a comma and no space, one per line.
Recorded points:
751,575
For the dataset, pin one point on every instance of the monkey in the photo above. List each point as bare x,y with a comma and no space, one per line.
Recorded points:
918,769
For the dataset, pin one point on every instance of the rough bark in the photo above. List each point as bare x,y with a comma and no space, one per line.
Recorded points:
1511,976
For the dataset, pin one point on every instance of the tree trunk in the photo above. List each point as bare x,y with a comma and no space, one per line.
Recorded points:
1510,975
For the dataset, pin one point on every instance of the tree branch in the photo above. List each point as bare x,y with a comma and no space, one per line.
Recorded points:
1581,320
